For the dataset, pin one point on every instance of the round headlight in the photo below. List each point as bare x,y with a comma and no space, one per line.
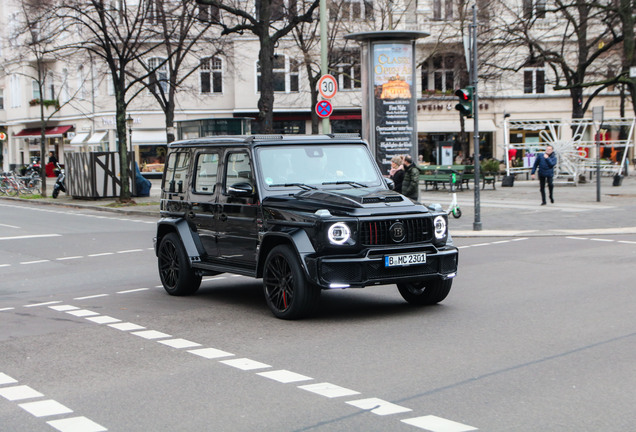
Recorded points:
339,233
440,227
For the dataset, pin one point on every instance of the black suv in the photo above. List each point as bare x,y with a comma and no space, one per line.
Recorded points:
304,213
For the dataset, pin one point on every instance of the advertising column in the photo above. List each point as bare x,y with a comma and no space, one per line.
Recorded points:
394,101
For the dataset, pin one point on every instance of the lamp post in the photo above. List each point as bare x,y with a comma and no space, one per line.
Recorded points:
129,124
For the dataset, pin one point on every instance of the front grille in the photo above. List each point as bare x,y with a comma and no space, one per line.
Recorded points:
376,233
344,272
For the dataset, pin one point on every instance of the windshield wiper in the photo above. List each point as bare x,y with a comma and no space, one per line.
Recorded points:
300,185
349,182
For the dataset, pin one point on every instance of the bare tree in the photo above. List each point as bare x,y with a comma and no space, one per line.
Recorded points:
184,29
271,22
118,34
575,39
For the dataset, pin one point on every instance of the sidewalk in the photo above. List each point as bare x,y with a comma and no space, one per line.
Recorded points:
505,212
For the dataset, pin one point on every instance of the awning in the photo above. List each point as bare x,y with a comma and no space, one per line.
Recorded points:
79,138
454,126
49,132
149,136
96,138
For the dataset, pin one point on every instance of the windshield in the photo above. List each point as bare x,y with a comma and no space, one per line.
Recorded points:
317,165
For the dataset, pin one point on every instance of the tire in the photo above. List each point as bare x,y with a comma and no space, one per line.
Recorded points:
56,192
457,213
288,293
425,292
177,277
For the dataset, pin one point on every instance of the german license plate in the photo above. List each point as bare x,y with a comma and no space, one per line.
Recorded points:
404,259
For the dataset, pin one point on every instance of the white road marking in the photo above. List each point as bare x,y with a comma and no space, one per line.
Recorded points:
81,313
379,406
103,319
132,290
9,226
284,376
129,251
34,262
30,236
627,242
76,424
6,309
5,265
151,334
328,390
601,240
245,364
6,379
91,297
19,392
101,254
45,408
43,304
437,424
210,353
63,308
68,258
126,326
577,238
179,343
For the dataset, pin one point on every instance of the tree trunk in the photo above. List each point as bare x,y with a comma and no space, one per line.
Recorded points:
125,195
576,94
266,101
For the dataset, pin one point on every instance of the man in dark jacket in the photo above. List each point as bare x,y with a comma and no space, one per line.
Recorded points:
411,182
545,162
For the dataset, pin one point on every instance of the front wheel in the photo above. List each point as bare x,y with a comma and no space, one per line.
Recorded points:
56,192
177,277
425,292
288,293
457,213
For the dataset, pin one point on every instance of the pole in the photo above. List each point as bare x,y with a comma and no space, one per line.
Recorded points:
473,32
598,167
324,64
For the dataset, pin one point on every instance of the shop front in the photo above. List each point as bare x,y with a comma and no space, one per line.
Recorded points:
435,137
150,147
28,149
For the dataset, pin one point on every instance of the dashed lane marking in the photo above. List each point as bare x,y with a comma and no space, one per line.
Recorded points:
9,226
374,405
22,237
132,290
493,243
43,304
601,240
91,297
34,262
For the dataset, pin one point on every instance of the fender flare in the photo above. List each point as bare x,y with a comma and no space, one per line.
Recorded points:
191,242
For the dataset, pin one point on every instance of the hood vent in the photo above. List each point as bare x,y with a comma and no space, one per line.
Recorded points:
380,199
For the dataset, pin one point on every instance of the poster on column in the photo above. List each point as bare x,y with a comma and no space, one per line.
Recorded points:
395,133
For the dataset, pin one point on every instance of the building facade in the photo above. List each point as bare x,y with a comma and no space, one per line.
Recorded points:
226,85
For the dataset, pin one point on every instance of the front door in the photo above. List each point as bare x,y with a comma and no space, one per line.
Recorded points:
237,215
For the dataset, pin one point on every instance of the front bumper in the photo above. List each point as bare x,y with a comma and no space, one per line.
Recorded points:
368,269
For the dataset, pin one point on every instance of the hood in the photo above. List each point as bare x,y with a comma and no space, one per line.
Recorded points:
339,199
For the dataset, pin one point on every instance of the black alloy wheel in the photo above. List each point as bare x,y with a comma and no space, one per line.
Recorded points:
177,277
287,292
425,292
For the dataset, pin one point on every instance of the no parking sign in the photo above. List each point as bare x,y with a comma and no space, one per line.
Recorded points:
324,109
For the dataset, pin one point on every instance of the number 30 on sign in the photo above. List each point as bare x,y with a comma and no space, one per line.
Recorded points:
328,86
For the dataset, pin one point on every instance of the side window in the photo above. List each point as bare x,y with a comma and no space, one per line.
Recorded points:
238,169
206,173
176,171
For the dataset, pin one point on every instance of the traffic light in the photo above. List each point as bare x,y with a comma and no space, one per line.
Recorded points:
465,105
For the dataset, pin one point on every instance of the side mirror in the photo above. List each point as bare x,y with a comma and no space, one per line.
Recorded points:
390,183
242,189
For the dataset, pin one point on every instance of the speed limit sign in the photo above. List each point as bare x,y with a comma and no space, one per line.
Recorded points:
328,86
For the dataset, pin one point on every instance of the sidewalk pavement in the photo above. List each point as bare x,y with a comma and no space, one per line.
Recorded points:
503,212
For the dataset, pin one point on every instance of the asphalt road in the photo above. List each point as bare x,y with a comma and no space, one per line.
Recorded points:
537,334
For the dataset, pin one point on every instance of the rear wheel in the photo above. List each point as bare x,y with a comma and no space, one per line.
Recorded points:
177,277
425,292
56,192
288,293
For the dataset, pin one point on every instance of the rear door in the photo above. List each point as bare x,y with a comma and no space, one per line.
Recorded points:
205,192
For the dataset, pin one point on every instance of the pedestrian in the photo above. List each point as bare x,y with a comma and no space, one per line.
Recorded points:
411,182
397,172
52,158
545,163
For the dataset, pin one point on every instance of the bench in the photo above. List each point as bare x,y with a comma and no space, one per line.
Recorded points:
436,175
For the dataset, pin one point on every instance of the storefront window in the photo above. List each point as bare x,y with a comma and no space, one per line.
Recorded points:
152,158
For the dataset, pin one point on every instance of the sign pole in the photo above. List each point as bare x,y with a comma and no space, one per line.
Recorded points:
473,32
324,65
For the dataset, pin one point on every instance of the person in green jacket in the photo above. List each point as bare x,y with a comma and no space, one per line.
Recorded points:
411,182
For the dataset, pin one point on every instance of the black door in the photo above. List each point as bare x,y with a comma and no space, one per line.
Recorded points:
205,192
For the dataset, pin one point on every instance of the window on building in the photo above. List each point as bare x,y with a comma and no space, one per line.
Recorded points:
81,83
1,99
16,91
65,94
209,13
351,10
442,10
35,86
158,77
286,73
211,74
534,9
347,72
152,11
50,86
534,80
443,73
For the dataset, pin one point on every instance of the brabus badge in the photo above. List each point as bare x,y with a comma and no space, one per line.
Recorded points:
397,232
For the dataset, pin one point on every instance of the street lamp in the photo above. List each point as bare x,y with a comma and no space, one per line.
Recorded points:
129,124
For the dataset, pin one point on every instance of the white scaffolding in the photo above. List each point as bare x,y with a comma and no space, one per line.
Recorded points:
575,144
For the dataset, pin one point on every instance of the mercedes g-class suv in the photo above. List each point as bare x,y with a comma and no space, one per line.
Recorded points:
304,213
